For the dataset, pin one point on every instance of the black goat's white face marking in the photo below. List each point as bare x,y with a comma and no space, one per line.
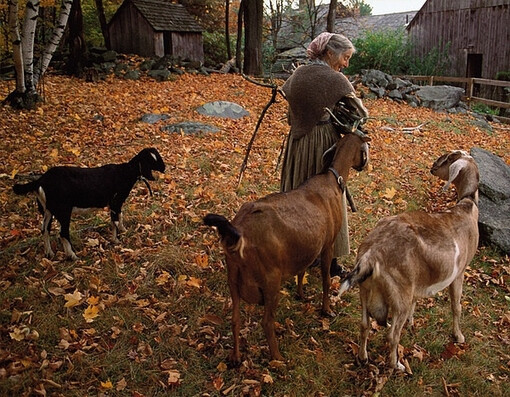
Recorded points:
154,157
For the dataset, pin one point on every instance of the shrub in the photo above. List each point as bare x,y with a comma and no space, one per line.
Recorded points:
391,52
215,48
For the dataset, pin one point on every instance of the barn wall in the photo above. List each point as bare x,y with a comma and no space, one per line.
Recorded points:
130,33
186,46
471,27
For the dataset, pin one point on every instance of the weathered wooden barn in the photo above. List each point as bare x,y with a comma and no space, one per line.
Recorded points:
156,28
476,31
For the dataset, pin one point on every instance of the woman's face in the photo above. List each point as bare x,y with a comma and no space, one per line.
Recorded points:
339,62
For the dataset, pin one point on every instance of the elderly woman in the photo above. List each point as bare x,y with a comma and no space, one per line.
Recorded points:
309,90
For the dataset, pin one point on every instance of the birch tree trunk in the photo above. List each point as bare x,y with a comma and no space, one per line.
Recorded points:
16,47
29,26
58,31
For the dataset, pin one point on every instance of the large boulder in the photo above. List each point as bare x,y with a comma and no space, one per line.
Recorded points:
440,97
494,205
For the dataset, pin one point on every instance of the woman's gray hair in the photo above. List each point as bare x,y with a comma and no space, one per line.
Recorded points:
338,44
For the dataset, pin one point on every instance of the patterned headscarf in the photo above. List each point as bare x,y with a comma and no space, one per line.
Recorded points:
318,45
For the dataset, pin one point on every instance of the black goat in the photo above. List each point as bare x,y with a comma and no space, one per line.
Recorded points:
63,189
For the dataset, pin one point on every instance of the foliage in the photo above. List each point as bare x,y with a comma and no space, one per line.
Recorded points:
210,14
391,52
151,315
215,48
482,108
505,76
91,26
365,9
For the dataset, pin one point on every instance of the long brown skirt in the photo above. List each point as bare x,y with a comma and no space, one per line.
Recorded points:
302,160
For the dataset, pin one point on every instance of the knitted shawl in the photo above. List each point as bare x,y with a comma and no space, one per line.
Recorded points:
309,90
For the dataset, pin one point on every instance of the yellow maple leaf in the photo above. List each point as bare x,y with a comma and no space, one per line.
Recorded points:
76,151
389,193
163,278
107,385
202,261
194,282
93,300
73,299
90,313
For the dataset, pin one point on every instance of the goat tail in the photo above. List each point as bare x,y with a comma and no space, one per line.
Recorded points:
231,238
366,266
19,188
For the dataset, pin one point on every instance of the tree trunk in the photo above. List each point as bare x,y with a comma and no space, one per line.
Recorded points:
76,40
103,23
239,39
27,44
330,26
16,47
25,95
253,18
58,31
20,98
227,33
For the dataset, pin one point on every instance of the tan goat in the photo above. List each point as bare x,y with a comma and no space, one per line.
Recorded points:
280,235
416,254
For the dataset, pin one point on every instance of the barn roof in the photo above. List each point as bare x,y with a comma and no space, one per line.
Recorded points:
353,27
163,15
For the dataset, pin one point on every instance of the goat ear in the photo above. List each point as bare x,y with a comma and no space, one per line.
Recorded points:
454,171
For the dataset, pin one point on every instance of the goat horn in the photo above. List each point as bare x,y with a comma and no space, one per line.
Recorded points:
354,130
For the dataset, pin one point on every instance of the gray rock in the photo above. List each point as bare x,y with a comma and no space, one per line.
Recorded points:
440,97
159,74
494,175
376,77
109,56
152,118
493,223
223,109
395,94
379,91
132,75
494,205
189,127
147,64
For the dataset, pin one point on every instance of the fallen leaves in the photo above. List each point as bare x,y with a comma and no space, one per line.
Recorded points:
155,308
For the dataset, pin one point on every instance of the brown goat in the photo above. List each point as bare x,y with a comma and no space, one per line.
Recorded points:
282,234
416,254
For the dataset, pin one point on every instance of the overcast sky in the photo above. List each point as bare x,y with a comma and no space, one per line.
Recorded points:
391,6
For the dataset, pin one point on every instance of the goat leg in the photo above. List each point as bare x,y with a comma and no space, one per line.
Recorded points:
235,355
64,219
326,258
117,225
271,297
394,339
45,229
410,318
364,326
455,290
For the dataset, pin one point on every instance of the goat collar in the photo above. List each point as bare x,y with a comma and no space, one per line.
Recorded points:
144,179
339,178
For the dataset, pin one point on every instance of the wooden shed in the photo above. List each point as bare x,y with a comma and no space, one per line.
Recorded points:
156,28
478,33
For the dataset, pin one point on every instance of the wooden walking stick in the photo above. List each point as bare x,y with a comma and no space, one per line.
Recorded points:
275,91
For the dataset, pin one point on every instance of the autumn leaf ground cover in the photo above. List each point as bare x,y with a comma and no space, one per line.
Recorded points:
151,316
